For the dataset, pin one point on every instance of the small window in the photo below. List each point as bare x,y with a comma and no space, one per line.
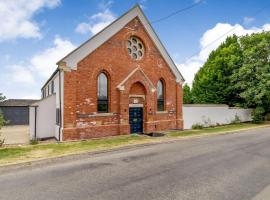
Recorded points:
160,96
52,85
102,93
48,89
57,116
43,94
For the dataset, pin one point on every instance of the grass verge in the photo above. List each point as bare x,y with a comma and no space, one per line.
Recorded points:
11,155
215,130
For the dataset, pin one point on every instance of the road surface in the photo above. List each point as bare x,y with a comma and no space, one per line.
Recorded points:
233,166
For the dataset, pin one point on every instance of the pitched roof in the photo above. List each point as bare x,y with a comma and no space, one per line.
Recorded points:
71,60
17,102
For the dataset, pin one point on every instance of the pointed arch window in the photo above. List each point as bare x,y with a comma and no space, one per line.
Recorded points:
160,96
102,93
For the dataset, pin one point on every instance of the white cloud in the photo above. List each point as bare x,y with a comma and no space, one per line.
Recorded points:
16,18
142,4
193,64
24,80
248,20
97,21
44,63
20,74
31,97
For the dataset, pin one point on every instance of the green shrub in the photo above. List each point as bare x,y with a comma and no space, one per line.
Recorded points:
197,126
34,141
267,117
2,141
236,120
258,115
2,122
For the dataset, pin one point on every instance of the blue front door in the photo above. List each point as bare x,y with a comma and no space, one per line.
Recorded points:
136,120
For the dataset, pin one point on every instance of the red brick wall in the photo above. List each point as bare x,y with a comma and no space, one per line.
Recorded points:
137,89
80,89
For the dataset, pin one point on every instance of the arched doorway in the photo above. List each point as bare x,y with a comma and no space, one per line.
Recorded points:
137,97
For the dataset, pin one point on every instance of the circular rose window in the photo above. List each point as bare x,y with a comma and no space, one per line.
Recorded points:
135,48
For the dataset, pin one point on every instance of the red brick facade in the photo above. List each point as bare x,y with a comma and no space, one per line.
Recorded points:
139,81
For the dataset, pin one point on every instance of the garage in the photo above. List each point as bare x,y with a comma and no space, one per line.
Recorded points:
16,111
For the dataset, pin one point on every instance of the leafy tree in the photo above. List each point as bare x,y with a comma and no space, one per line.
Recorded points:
187,98
2,97
237,73
212,83
252,79
2,121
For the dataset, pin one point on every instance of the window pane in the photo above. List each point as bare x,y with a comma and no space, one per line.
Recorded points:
102,93
160,105
57,116
52,87
102,86
160,96
102,106
160,90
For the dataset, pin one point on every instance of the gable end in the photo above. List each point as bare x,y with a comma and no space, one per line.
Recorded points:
72,59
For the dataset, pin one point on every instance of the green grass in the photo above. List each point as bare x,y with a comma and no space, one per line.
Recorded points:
218,129
30,152
10,155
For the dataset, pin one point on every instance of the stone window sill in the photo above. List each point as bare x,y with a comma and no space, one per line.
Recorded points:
162,112
96,115
103,114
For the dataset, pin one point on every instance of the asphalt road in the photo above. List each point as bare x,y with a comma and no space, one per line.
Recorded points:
234,166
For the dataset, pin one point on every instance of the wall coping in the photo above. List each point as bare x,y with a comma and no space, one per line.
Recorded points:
205,105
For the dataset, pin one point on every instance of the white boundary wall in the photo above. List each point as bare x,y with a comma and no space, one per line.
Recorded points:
46,118
212,114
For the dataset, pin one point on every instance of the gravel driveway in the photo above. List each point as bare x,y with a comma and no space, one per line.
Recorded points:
15,134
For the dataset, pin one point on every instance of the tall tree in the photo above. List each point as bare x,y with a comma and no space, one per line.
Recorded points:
187,98
212,83
253,78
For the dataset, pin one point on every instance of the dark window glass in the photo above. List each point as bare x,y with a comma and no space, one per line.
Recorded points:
102,93
45,92
160,105
57,116
160,96
103,106
52,87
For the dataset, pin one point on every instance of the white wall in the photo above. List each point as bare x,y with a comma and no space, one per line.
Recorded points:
56,79
212,114
46,118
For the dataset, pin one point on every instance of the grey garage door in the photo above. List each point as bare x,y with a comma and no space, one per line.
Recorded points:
16,115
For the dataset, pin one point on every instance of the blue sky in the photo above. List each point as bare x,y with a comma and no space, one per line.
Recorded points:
35,34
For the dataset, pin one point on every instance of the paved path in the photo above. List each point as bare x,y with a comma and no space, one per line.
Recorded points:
15,134
233,166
